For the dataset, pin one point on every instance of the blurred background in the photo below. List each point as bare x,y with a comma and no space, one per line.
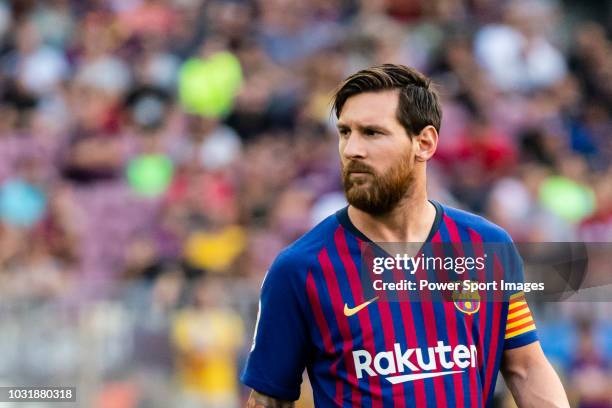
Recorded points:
155,155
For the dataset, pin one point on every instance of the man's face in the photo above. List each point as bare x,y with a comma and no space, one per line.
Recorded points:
376,153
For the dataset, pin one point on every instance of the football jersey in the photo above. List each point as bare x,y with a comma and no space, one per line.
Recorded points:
314,314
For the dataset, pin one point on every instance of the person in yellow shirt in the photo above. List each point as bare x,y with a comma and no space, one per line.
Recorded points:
208,335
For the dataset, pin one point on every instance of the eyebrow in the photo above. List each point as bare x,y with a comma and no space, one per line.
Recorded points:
378,128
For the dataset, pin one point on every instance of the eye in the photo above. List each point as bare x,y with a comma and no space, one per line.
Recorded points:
371,132
344,131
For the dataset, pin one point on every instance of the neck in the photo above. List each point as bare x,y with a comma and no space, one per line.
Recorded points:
410,221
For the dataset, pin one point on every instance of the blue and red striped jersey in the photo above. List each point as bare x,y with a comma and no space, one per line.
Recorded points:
366,352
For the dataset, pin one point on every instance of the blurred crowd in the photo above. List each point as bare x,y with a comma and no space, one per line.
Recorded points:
141,202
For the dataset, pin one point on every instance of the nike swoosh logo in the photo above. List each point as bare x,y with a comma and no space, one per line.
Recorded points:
411,377
349,311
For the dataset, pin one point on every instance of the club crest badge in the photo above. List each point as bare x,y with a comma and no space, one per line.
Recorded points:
466,301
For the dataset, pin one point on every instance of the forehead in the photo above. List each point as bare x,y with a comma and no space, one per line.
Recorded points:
371,107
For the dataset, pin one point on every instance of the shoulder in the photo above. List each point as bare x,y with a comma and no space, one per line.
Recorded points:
489,231
300,255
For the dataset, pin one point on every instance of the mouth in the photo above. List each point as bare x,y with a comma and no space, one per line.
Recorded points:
359,177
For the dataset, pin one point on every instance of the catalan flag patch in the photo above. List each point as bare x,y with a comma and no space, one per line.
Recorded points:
520,327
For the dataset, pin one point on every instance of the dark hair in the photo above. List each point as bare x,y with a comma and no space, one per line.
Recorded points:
418,101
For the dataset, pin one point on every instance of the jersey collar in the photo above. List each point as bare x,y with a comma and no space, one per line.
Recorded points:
345,221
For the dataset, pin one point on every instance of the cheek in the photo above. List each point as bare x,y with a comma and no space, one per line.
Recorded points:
388,153
394,159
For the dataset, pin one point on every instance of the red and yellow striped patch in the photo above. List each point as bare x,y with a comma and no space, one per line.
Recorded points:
519,316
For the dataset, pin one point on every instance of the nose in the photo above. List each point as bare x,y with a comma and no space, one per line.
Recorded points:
353,147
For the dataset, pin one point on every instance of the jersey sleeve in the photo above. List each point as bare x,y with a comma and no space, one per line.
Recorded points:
278,354
520,326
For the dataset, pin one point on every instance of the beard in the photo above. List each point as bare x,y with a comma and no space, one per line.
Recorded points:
377,194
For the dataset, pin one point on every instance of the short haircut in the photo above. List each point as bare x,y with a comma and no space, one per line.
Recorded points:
418,106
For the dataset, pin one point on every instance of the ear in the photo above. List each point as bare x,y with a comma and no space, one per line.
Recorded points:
426,143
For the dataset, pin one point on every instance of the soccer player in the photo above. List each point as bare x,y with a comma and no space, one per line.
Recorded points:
368,352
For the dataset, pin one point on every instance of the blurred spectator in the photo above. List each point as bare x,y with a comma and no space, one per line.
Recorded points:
598,227
208,336
590,372
36,67
516,52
